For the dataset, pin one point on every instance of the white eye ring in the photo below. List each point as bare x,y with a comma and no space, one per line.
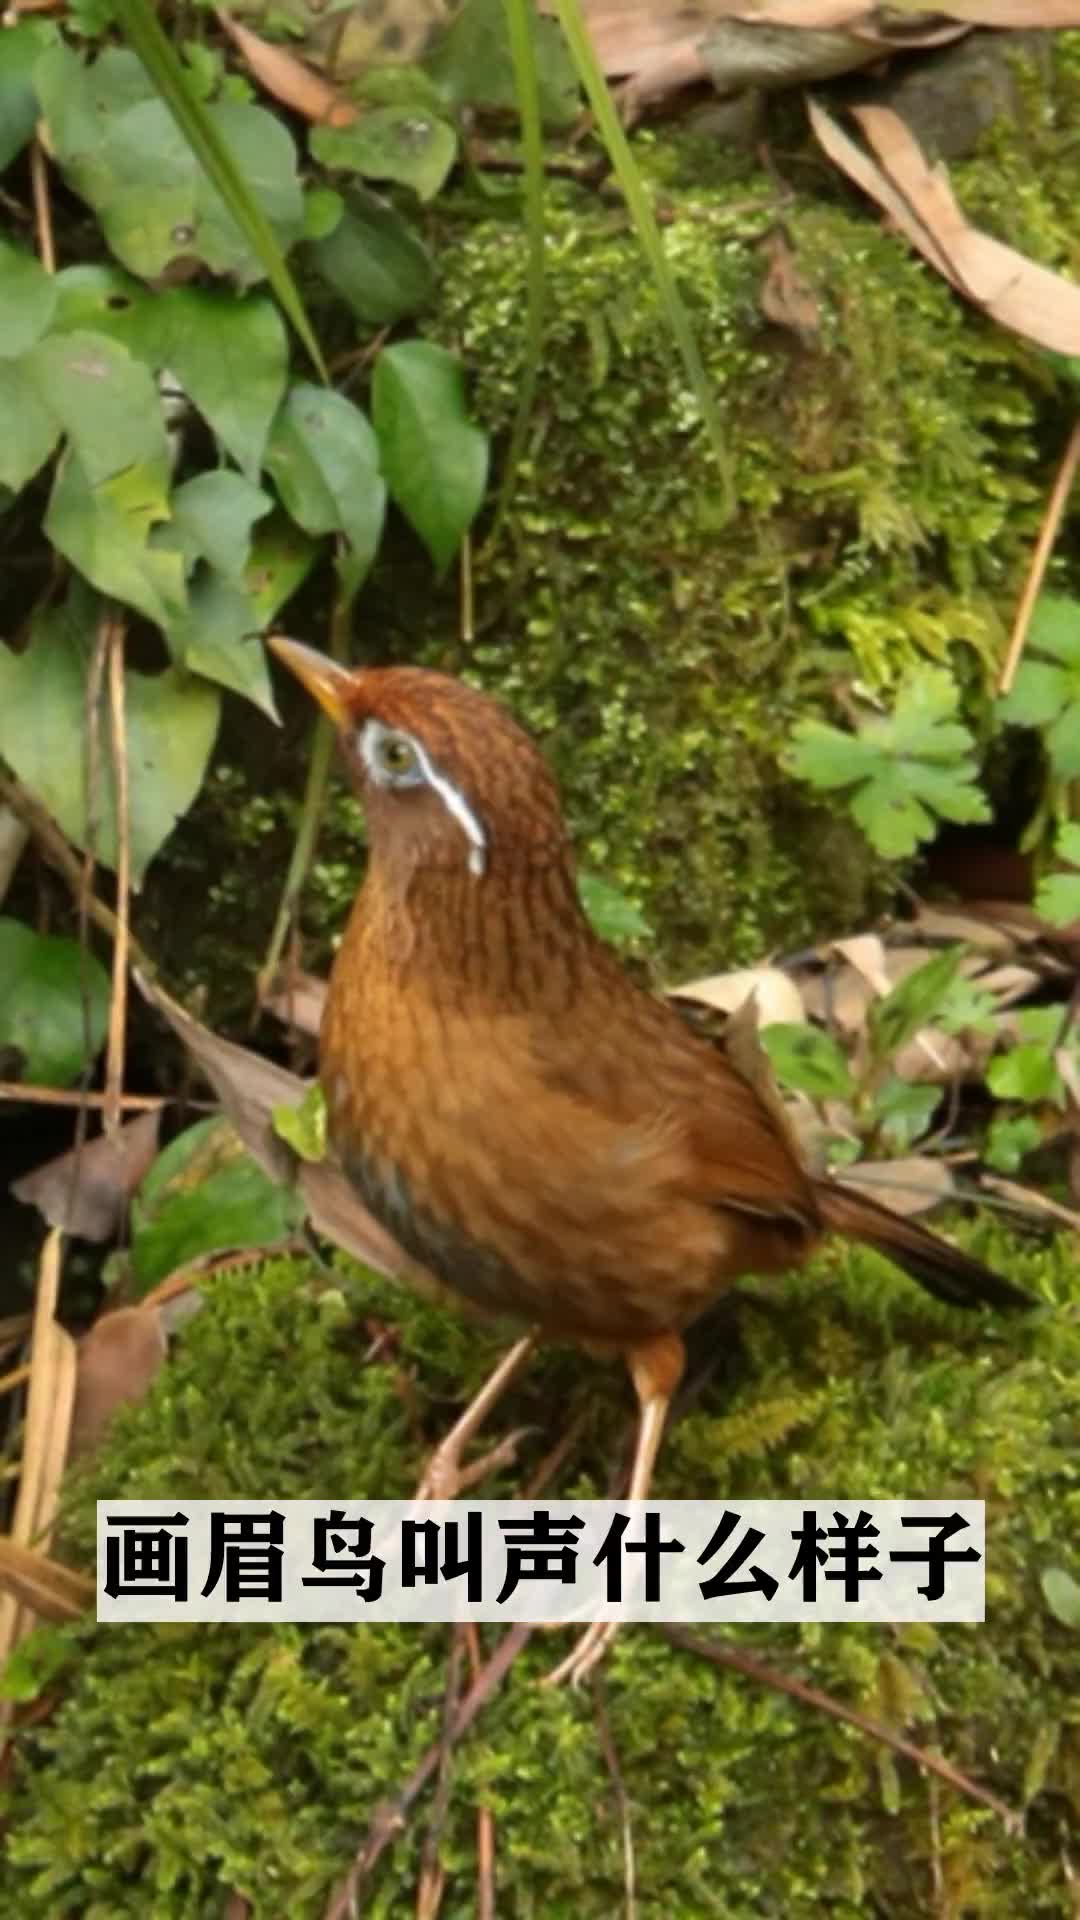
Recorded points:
396,760
391,758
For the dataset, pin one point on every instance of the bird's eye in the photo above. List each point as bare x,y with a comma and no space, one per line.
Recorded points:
396,756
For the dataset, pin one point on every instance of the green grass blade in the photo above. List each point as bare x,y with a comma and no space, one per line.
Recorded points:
523,55
638,203
144,33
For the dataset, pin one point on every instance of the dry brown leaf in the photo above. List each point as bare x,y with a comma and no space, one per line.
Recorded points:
289,79
952,923
94,1206
297,999
787,297
912,1184
856,15
778,997
43,1586
866,953
249,1089
1015,291
116,1364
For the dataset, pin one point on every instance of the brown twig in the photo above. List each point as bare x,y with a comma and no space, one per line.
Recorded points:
432,1881
62,1097
39,187
622,1803
389,1818
1040,559
780,1682
485,1819
114,1052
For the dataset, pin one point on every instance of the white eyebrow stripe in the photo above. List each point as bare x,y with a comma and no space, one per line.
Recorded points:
455,802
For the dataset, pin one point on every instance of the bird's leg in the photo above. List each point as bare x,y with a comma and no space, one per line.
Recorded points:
656,1367
444,1477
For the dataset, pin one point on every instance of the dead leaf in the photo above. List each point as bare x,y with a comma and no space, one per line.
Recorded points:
951,923
87,1194
116,1364
787,298
778,997
289,79
249,1089
912,1184
297,999
1016,292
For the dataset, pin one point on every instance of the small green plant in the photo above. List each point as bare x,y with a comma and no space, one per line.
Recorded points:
906,771
1046,691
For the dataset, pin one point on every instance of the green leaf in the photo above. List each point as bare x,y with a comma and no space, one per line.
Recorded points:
1062,1595
903,1110
908,769
43,980
914,1003
27,299
324,459
104,531
1062,740
1009,1140
28,430
1057,898
402,143
108,405
21,46
1038,694
612,915
41,1655
807,1060
230,355
102,299
1025,1073
219,637
376,262
304,1126
171,724
434,458
281,559
471,64
212,518
122,148
1055,628
205,1194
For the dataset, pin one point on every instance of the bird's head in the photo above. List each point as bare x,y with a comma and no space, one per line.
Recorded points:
446,778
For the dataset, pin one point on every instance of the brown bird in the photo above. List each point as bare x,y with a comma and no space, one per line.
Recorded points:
541,1133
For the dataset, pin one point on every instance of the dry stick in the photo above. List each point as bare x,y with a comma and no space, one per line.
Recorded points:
59,1097
1044,546
429,1891
39,183
389,1818
622,1803
114,1054
780,1682
485,1819
85,892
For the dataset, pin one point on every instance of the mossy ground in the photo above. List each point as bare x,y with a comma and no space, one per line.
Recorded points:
183,1763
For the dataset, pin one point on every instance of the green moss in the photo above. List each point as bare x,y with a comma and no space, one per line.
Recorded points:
181,1763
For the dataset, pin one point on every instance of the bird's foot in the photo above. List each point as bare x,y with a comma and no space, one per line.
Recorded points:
444,1477
584,1655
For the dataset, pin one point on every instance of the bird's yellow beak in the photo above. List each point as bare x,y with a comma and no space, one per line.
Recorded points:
326,681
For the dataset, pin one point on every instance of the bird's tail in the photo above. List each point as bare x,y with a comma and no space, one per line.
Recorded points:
942,1269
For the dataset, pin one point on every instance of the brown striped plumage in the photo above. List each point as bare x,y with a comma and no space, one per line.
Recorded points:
548,1138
